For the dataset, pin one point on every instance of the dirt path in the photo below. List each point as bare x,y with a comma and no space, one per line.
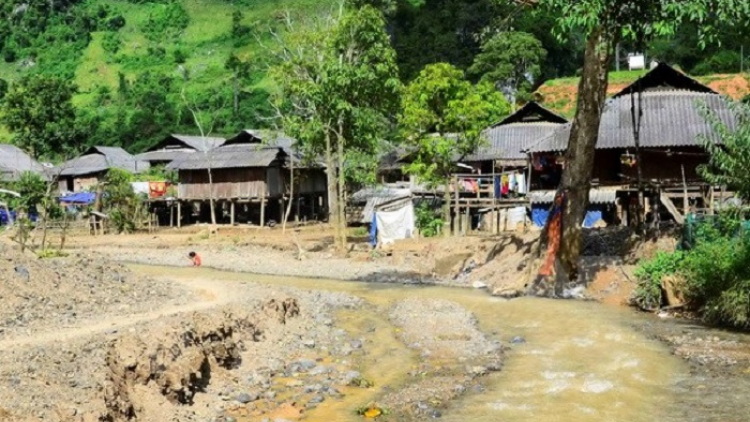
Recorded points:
210,294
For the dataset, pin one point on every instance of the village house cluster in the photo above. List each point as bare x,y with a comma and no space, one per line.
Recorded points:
508,183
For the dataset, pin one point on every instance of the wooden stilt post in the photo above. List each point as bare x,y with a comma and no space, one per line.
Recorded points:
685,203
179,214
263,210
231,212
171,215
456,210
467,221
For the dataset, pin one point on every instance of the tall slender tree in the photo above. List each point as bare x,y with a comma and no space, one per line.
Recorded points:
338,85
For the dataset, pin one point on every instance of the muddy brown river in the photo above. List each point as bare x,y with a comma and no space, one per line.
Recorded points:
581,361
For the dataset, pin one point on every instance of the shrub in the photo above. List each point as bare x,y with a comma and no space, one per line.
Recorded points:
428,221
715,271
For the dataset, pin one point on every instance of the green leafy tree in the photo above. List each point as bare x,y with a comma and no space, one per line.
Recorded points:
39,112
511,61
604,23
338,85
442,118
3,88
729,162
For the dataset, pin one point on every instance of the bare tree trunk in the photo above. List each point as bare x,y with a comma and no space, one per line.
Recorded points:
333,214
579,158
342,188
211,201
291,195
64,233
447,210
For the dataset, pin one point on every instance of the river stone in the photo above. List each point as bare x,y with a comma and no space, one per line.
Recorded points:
247,397
518,340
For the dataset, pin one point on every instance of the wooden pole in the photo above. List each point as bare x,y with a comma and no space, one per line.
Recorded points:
231,212
263,208
711,200
179,214
171,216
685,203
456,211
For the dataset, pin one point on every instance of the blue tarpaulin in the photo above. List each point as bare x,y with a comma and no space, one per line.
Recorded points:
79,198
374,231
4,216
539,215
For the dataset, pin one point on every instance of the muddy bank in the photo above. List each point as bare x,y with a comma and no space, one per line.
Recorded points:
719,369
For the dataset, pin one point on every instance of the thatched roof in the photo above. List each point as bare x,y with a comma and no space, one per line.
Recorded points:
670,119
231,156
13,162
99,159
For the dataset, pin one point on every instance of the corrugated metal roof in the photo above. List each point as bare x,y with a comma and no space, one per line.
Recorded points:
230,156
269,138
200,143
670,119
510,140
165,155
13,162
98,159
596,196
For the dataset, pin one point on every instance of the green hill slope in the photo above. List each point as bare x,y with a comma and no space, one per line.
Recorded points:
187,42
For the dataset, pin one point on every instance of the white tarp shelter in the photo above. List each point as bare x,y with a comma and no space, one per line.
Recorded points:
395,221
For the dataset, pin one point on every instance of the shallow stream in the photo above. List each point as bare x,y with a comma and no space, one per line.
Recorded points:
581,361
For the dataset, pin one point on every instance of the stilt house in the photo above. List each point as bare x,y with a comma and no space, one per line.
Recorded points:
249,176
14,162
666,110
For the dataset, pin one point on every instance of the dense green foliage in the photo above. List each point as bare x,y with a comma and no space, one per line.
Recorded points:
443,116
511,61
39,111
714,272
729,162
218,50
428,220
120,203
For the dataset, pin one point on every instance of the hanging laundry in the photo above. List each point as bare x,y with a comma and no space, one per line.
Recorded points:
498,186
505,185
157,189
537,163
474,186
521,182
466,183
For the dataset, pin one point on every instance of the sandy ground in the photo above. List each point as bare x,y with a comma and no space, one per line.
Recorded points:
85,339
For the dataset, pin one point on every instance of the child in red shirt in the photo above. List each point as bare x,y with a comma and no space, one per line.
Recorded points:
196,259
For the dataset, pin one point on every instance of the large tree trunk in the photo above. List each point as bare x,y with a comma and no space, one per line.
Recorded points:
579,159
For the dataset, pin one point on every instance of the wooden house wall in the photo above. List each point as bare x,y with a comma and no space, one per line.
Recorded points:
237,183
311,181
660,167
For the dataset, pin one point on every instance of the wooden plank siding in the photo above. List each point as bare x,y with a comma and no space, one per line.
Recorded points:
248,183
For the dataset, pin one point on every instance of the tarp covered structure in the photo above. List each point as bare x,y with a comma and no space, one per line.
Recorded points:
83,198
393,221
